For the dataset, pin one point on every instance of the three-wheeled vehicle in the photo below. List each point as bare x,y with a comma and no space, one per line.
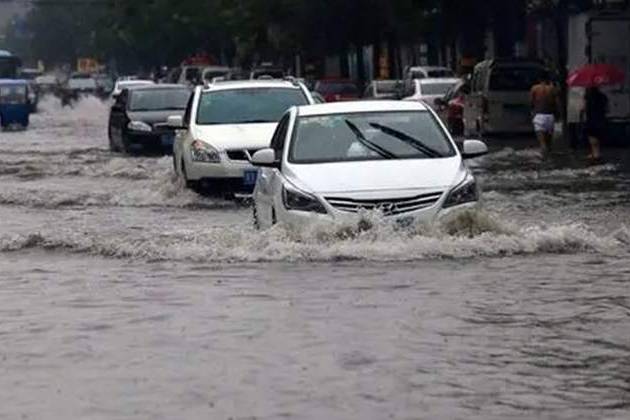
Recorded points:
15,106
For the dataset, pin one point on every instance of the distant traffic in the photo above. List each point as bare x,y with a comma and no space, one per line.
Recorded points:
305,150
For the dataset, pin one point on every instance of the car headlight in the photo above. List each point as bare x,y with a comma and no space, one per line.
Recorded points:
300,201
139,126
202,152
466,192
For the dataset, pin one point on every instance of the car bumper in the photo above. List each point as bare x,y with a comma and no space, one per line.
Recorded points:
430,216
226,169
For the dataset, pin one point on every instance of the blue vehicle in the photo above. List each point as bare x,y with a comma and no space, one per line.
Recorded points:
15,107
9,65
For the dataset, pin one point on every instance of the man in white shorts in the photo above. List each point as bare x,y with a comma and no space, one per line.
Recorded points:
545,104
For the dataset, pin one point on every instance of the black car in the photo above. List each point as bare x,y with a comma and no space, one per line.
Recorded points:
137,119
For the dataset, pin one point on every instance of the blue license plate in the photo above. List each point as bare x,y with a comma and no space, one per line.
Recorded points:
168,140
249,178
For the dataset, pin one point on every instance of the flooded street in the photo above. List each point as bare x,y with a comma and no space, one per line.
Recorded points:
124,296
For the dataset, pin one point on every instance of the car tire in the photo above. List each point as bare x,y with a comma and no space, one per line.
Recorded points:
191,185
124,145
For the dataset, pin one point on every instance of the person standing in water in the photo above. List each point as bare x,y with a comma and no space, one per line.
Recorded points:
595,111
545,104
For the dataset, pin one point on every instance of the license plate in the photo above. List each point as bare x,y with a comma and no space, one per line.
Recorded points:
168,139
249,178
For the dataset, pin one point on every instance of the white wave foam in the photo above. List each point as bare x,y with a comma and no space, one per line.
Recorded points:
473,235
86,109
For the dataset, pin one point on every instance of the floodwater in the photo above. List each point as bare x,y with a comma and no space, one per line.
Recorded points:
124,296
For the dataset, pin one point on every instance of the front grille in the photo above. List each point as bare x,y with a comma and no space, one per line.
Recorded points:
389,206
244,155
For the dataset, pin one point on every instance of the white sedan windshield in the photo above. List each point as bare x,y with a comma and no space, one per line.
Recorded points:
369,136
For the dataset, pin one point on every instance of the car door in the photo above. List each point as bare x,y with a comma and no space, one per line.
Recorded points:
270,179
182,133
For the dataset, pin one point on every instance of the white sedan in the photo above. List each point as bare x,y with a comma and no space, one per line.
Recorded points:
122,84
336,161
428,90
224,125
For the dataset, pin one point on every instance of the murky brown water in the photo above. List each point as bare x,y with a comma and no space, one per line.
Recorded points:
122,296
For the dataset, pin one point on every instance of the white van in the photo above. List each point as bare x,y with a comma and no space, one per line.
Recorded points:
499,101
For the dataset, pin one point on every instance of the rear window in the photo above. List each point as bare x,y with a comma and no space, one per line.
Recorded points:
193,74
273,73
209,75
513,79
247,106
387,86
435,88
441,73
158,99
339,88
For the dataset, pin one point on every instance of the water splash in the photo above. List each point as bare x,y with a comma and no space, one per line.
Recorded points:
471,235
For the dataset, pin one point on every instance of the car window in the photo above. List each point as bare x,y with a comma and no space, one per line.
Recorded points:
435,88
271,73
158,99
209,75
280,135
441,73
12,94
515,78
122,98
369,136
341,88
417,74
193,74
188,113
245,106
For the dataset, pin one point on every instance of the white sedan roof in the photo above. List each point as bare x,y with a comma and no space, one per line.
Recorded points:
251,84
359,107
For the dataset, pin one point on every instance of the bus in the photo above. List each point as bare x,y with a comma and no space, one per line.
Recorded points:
9,65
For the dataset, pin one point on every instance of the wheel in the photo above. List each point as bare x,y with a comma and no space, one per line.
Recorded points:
124,145
191,185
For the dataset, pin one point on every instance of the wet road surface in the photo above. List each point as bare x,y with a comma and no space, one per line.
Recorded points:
124,296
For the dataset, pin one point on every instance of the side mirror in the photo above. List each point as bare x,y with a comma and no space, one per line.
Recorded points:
473,149
265,158
175,121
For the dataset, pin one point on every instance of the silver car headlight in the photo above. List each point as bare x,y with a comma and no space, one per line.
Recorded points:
139,126
202,152
301,201
465,192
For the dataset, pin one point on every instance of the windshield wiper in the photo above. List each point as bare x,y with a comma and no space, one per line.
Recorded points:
254,122
406,138
370,145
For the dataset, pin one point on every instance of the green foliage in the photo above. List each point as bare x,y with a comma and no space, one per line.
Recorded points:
157,32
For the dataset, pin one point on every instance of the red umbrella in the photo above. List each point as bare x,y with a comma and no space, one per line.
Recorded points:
596,75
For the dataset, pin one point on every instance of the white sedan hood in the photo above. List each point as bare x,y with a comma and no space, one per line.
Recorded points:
395,176
237,136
